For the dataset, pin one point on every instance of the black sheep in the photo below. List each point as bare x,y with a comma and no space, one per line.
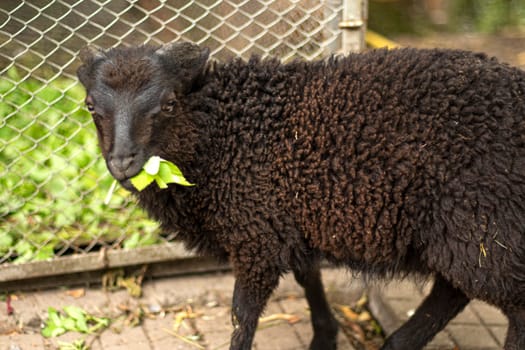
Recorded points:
388,162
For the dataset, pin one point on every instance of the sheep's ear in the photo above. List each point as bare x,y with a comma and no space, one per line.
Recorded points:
184,60
89,56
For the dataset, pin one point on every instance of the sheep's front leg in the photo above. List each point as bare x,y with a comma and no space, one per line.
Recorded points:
324,324
253,288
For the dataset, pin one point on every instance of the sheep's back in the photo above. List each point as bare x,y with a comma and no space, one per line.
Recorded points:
374,141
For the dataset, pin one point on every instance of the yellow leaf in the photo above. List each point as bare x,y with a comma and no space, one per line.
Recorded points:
348,313
286,317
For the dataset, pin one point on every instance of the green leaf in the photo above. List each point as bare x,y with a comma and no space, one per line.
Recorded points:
177,176
160,182
165,172
100,322
54,325
57,331
24,247
47,331
75,312
161,171
69,324
23,258
132,242
44,253
171,173
181,180
53,317
6,241
152,165
174,169
142,180
81,325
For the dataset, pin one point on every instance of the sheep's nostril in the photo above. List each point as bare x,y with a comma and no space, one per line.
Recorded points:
127,162
121,166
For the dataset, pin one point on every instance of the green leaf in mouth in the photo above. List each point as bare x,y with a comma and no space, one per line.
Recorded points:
162,171
158,170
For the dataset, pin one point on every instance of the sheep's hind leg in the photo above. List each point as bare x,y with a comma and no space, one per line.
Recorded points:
442,304
250,295
323,322
516,332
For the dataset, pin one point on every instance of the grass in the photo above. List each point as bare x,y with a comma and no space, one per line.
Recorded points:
52,178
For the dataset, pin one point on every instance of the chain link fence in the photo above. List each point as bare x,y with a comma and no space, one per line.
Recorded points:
52,178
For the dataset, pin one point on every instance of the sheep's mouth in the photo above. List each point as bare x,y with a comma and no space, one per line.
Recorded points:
126,183
124,178
123,172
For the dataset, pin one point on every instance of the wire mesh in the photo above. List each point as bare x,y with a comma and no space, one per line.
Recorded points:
52,178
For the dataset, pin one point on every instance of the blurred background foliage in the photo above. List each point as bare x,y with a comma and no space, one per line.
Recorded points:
419,17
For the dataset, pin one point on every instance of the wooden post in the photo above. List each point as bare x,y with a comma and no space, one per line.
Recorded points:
353,24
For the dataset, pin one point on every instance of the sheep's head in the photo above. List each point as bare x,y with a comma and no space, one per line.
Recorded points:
137,99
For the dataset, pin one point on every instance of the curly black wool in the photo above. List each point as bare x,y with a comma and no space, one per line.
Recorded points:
389,162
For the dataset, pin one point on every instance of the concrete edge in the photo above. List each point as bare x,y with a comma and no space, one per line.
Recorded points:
176,267
103,259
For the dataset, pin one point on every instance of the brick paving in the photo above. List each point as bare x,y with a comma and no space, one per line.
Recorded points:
479,327
210,296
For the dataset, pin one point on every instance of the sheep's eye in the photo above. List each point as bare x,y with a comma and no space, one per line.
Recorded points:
168,106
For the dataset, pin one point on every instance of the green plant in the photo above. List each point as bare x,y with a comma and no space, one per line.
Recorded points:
72,319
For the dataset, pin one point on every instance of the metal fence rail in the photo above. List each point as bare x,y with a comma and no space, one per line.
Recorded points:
52,180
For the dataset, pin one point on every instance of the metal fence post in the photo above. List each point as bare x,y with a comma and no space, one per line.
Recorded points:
353,24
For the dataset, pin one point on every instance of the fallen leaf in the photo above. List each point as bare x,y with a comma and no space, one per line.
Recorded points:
183,315
348,313
132,285
364,316
291,319
76,293
362,301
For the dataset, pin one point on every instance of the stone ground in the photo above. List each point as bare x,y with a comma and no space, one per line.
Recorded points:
193,312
